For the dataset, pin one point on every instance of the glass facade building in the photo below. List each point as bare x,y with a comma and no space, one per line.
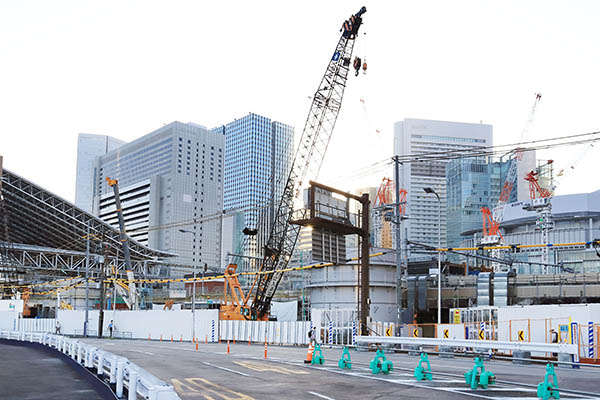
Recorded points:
258,158
88,148
471,183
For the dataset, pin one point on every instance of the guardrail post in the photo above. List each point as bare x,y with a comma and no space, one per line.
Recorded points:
79,351
113,370
132,388
119,372
100,362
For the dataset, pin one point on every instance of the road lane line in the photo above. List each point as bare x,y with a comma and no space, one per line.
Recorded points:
321,396
142,351
227,369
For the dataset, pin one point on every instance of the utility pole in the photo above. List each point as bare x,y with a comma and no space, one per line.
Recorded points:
365,285
102,294
398,229
87,282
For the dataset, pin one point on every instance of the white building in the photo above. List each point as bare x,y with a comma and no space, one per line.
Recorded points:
88,148
425,137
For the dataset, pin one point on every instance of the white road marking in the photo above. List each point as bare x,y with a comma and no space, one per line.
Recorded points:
227,369
321,396
142,351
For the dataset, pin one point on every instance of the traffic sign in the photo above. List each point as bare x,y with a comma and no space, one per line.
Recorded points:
481,334
388,331
416,332
445,333
521,336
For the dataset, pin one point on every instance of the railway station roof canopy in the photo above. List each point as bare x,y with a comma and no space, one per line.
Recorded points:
35,217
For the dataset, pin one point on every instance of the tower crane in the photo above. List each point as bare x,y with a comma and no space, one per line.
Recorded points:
324,110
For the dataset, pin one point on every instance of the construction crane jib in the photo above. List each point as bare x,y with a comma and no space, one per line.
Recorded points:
308,159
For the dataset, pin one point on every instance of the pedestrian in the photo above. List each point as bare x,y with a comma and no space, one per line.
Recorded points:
111,326
554,338
312,335
554,335
57,328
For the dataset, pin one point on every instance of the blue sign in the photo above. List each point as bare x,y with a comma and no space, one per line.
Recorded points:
336,56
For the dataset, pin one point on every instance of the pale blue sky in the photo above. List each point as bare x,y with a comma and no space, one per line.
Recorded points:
125,68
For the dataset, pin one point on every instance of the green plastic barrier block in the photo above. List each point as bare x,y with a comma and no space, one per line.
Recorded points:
318,358
345,360
549,389
420,372
381,364
478,376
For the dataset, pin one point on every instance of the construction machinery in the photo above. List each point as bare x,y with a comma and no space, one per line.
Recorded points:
127,292
324,110
540,203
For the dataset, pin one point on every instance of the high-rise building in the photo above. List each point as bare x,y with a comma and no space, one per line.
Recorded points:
416,137
171,187
258,158
471,183
88,148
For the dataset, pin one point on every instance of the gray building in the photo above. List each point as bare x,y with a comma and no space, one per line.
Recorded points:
170,180
424,137
88,148
258,158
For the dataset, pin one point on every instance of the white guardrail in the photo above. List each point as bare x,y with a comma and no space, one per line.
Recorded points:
477,344
119,370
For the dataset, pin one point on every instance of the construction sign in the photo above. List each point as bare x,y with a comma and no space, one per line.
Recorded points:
521,336
416,332
481,334
446,334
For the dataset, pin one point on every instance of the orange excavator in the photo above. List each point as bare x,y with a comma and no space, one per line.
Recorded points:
235,304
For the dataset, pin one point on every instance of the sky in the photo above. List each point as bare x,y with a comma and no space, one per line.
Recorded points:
126,68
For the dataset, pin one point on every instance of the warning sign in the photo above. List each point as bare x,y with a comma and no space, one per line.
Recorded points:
446,334
521,336
416,332
456,316
389,331
481,334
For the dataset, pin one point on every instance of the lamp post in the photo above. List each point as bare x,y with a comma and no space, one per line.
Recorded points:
193,290
431,191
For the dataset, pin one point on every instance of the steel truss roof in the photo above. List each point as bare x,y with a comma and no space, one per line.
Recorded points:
47,232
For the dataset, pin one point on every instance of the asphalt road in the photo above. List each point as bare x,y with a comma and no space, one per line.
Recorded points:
244,374
30,372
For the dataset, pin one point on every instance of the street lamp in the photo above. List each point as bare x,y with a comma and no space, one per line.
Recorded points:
431,191
193,290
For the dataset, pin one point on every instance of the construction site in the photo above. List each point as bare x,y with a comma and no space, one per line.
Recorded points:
463,257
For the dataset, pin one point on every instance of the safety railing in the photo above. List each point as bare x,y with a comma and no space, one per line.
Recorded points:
119,371
476,344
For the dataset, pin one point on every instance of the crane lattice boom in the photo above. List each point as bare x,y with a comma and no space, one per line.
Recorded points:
314,141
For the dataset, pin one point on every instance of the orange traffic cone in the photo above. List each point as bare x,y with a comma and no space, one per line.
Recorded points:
309,353
196,346
228,347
